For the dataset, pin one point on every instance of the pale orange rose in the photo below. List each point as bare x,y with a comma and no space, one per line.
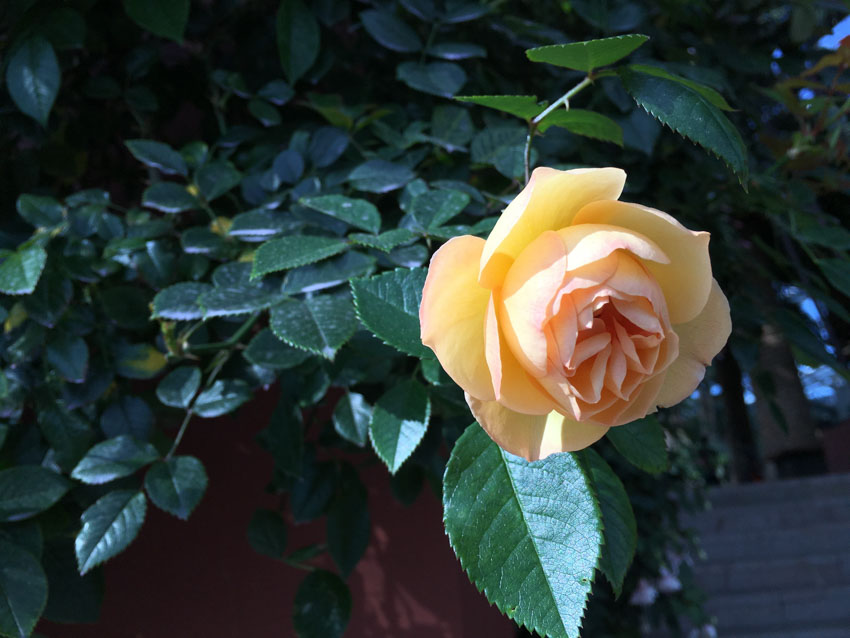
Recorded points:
578,313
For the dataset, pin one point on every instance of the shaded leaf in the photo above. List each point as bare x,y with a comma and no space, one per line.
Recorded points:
165,18
390,31
267,351
642,444
109,526
357,212
267,533
297,38
348,522
23,590
587,123
20,271
114,458
292,251
399,421
158,155
322,606
27,490
437,78
176,485
33,78
224,396
351,418
168,197
179,386
525,107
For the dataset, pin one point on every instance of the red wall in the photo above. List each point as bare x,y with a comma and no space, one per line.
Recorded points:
201,578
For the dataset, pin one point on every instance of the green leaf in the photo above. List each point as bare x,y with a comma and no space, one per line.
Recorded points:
114,458
297,38
357,212
351,418
69,356
127,415
322,606
40,211
258,224
109,526
277,92
707,92
527,534
837,272
590,55
67,433
138,360
179,386
73,598
379,176
180,301
267,351
525,107
348,522
390,31
168,197
437,78
176,485
51,296
457,51
435,208
158,155
502,147
127,306
20,271
27,490
295,250
33,78
399,421
384,242
388,304
267,114
165,18
216,178
226,302
452,126
326,146
285,438
23,590
587,123
320,324
288,166
224,396
329,273
642,444
618,520
689,113
267,533
313,490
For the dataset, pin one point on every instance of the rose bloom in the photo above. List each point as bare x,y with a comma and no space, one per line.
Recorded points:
578,313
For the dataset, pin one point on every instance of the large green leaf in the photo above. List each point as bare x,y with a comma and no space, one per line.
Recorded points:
295,250
688,112
114,458
180,301
379,176
587,123
20,271
590,55
357,212
108,527
179,386
329,273
525,107
707,92
351,418
320,324
388,304
33,78
223,396
642,444
176,485
27,490
158,155
434,208
322,606
399,421
618,520
528,534
23,590
165,18
437,78
297,38
40,211
385,241
267,351
390,31
216,178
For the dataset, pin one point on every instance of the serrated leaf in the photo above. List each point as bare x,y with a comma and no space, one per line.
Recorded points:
109,526
351,418
590,55
390,31
618,520
322,606
23,590
176,485
399,422
527,534
388,304
706,91
435,208
587,123
216,178
114,458
259,224
169,197
379,176
165,18
292,251
227,302
444,79
357,212
524,107
33,77
224,396
180,301
179,386
384,242
27,490
642,444
20,271
320,324
267,351
267,533
328,274
158,155
297,38
689,113
40,211
348,523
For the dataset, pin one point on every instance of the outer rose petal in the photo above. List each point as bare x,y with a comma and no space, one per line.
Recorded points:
587,243
452,314
530,436
686,280
549,201
699,341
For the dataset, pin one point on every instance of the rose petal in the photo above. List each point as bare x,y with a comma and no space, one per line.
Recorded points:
549,201
699,341
533,437
586,243
452,314
686,280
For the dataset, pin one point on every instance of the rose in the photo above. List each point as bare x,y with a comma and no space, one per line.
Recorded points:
578,313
